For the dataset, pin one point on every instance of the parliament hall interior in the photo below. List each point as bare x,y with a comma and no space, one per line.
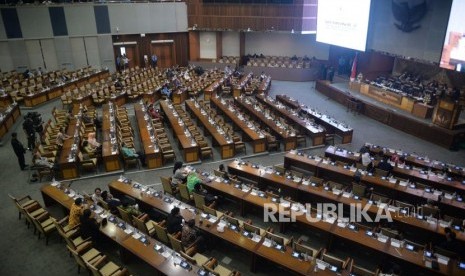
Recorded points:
232,137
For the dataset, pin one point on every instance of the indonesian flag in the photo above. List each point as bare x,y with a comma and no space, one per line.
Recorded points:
353,73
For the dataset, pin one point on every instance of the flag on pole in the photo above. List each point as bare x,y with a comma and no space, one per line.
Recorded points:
353,73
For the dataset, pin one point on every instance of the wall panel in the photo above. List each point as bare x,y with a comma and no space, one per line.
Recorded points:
207,45
49,53
80,20
93,56
2,28
64,53
18,54
79,52
34,54
105,47
6,63
231,44
35,22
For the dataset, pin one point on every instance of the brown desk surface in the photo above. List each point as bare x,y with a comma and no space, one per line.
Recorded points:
143,251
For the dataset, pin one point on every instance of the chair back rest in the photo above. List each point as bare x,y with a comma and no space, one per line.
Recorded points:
381,172
162,235
165,182
210,211
175,243
388,232
300,248
140,224
218,173
357,270
126,216
333,261
199,200
250,228
277,239
77,257
358,189
184,192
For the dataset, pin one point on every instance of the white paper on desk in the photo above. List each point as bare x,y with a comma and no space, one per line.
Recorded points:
245,190
403,183
353,169
357,154
321,266
128,231
166,254
437,192
256,238
221,224
254,193
392,180
382,205
325,161
448,196
295,207
136,236
346,194
143,188
330,220
395,244
104,215
267,243
382,239
306,183
212,219
342,224
443,260
337,191
98,211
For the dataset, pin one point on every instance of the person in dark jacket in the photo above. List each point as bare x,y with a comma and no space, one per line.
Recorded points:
29,129
19,150
89,227
174,221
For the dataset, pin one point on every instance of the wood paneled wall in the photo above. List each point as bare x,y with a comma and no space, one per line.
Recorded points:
301,15
181,43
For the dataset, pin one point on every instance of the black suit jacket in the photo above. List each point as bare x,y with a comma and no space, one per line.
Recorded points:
18,147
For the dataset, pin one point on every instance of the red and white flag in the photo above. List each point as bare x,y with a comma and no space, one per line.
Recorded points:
353,72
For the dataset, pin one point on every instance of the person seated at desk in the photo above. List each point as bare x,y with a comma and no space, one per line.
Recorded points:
92,140
166,91
130,152
154,113
89,227
226,175
112,202
40,161
97,195
385,165
61,137
75,212
192,180
179,174
131,209
189,236
209,198
174,221
366,158
88,149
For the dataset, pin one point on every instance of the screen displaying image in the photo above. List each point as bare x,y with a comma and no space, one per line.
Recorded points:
453,52
343,23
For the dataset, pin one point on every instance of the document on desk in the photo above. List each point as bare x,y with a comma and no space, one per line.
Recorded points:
128,231
257,238
267,243
136,236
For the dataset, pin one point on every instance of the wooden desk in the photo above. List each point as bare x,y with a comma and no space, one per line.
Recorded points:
238,88
290,142
190,150
317,134
110,150
31,100
258,140
152,152
218,138
179,96
334,230
331,125
422,110
145,252
212,89
11,115
70,169
5,100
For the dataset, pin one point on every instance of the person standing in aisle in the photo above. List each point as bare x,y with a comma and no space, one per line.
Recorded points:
19,150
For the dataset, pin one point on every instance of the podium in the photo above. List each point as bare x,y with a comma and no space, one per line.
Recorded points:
446,114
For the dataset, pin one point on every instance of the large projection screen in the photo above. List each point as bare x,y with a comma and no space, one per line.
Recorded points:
453,53
343,23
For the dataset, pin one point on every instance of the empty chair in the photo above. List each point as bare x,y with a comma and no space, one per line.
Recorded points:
329,139
161,232
380,198
200,201
184,193
85,255
44,225
381,172
22,203
360,271
144,224
206,152
340,264
358,190
305,249
104,267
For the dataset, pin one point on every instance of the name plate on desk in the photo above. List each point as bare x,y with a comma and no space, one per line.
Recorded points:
347,195
382,238
395,243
